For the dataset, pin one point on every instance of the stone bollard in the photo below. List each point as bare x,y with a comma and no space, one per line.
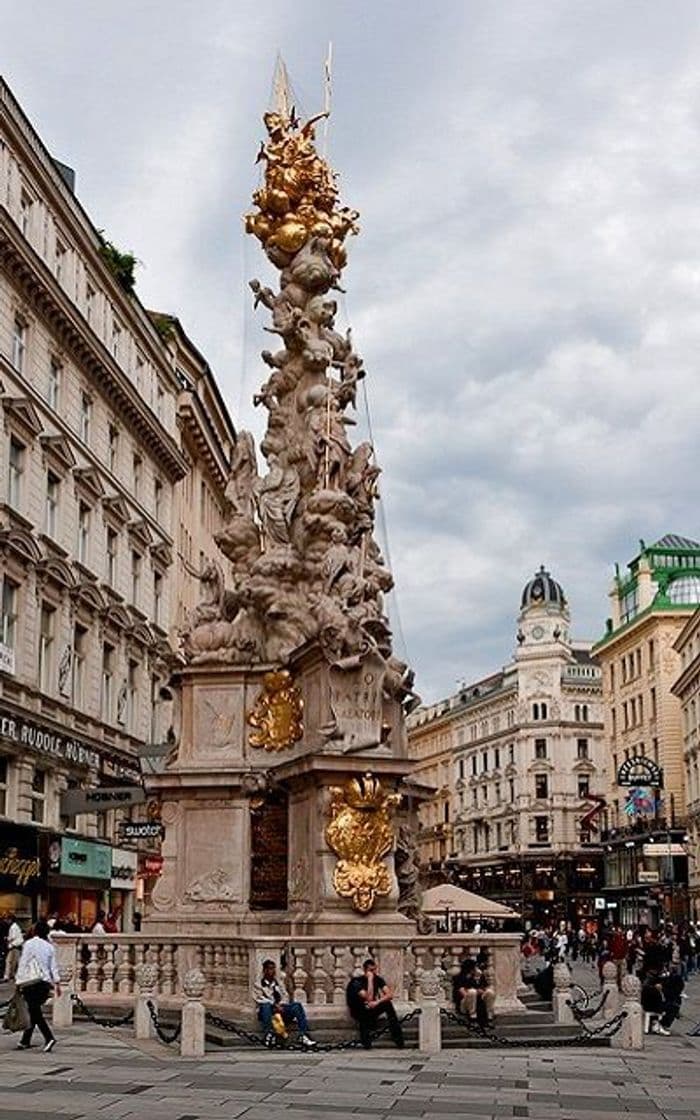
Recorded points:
193,1015
612,1003
62,1006
630,1036
429,1025
561,995
146,978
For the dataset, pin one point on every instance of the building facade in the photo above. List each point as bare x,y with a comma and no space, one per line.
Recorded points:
687,689
519,765
646,865
95,443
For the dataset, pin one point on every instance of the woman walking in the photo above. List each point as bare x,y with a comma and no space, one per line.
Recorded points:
37,975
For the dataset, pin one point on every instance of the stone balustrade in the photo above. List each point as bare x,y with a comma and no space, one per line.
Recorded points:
106,969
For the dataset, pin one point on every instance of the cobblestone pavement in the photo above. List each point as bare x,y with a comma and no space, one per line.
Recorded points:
95,1073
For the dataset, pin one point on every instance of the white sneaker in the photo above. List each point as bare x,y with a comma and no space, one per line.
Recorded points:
308,1043
658,1029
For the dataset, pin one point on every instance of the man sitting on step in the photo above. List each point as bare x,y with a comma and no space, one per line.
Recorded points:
471,992
369,998
272,998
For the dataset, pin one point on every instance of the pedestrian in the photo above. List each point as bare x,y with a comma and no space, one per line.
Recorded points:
472,994
37,975
15,941
272,999
369,997
99,924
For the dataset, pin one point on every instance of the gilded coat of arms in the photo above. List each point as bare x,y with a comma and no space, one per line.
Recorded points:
278,713
361,833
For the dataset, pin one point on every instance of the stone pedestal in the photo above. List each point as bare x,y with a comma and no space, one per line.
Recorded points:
146,978
193,1016
217,781
429,1023
631,1033
561,996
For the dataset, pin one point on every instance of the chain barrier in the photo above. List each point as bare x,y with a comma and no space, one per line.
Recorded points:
582,1010
96,1019
605,1030
279,1043
164,1036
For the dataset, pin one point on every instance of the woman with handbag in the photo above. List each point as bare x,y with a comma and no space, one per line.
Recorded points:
37,975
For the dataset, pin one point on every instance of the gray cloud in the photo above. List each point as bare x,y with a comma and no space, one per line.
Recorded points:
525,290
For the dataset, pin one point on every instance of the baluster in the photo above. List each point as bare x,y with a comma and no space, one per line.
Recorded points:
218,972
208,969
299,974
319,977
359,954
93,983
340,972
108,952
418,970
167,971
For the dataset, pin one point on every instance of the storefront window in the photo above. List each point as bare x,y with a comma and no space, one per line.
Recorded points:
3,786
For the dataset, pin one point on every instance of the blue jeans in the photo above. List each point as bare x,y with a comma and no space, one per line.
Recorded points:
291,1013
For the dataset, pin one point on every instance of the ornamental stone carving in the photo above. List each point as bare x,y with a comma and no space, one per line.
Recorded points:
361,833
194,983
146,978
215,886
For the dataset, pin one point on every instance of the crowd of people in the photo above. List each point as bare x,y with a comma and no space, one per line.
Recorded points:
662,958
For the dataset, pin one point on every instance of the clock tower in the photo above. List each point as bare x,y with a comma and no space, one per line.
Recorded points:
544,620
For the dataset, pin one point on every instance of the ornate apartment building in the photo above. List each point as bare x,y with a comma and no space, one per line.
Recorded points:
646,866
687,689
518,762
100,413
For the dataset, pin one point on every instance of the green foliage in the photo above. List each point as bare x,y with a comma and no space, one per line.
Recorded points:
163,324
121,265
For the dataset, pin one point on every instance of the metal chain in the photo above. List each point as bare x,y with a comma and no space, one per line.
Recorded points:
320,1048
581,1011
610,1027
162,1035
96,1019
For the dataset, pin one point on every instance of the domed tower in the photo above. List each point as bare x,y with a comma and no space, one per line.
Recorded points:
544,620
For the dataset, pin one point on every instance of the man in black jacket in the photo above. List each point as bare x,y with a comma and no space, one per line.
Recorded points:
369,997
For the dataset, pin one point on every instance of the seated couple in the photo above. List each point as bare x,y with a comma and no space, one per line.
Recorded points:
471,993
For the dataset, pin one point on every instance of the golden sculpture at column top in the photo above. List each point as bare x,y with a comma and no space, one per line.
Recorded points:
361,833
299,198
278,713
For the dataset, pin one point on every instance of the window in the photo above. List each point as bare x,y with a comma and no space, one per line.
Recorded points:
19,344
497,792
59,267
53,484
511,790
485,794
15,470
54,383
132,694
38,796
157,613
474,764
107,682
540,748
136,475
85,417
541,787
511,754
9,613
461,768
46,647
116,339
475,799
111,557
584,786
160,401
541,829
651,653
83,533
135,576
484,762
139,373
539,711
4,783
89,303
113,448
157,498
25,212
496,759
582,748
79,653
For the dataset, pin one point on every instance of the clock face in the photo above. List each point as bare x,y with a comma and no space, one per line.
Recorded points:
538,632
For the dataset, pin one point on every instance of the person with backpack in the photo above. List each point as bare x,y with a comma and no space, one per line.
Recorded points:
369,998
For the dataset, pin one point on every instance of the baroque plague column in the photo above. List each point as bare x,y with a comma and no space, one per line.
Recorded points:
284,793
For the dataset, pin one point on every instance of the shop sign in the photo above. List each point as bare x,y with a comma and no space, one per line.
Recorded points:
124,866
663,850
42,740
152,865
640,771
80,858
141,830
75,801
19,858
648,876
7,659
599,903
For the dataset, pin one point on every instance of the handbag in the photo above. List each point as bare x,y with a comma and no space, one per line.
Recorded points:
17,1015
28,972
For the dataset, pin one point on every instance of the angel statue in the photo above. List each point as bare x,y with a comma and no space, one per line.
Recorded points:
241,480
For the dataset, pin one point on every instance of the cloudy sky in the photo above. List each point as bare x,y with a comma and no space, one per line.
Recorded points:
526,288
